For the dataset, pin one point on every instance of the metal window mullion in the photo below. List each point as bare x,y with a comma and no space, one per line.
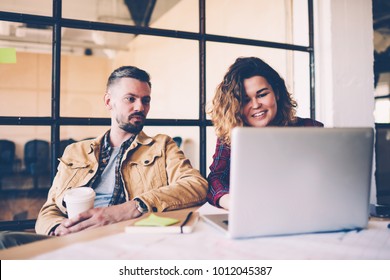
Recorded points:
202,88
311,59
55,88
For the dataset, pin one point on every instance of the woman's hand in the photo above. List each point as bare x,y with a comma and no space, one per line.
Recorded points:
224,201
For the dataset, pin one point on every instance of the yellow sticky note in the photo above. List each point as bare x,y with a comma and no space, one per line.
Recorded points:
156,221
7,55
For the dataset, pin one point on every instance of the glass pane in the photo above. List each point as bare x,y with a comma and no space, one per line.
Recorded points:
382,99
292,66
25,86
41,7
82,87
93,43
300,23
382,110
112,11
166,14
278,21
25,171
189,136
84,74
172,63
176,15
174,68
301,83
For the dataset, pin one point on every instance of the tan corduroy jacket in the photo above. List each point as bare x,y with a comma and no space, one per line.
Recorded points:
153,169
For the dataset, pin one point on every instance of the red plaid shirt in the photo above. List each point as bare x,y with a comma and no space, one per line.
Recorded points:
219,176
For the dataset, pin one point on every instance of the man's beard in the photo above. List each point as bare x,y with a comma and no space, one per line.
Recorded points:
129,127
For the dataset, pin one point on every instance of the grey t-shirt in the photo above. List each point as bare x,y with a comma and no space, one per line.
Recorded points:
106,182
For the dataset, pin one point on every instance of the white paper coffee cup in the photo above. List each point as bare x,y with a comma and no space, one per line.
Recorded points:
79,200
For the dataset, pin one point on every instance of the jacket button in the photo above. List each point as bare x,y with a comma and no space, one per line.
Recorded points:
90,171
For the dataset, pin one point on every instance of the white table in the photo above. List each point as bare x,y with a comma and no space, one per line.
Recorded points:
206,242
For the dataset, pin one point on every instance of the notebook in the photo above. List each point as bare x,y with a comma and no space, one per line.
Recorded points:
166,222
297,180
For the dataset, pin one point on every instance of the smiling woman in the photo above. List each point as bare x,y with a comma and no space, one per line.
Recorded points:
253,94
259,104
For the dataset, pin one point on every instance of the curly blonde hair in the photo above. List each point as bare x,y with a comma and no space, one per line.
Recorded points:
227,104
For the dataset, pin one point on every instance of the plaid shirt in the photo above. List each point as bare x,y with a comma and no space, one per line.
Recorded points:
118,195
219,176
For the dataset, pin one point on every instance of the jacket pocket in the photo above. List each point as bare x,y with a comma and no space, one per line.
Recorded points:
149,171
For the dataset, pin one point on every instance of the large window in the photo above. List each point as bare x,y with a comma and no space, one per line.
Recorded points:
65,50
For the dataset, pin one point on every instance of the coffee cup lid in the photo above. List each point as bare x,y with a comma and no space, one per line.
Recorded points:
79,194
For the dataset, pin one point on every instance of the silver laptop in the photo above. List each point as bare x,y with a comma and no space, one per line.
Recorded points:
298,180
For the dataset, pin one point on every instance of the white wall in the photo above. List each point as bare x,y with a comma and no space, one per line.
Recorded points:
344,65
344,62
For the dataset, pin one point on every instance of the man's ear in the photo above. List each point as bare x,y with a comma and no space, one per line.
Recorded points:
107,100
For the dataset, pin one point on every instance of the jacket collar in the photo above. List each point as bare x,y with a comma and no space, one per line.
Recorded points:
94,146
141,139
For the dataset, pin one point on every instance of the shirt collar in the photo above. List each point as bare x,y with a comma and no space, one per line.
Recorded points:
106,146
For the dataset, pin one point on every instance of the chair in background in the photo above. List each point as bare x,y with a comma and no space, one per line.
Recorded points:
7,158
37,159
178,140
